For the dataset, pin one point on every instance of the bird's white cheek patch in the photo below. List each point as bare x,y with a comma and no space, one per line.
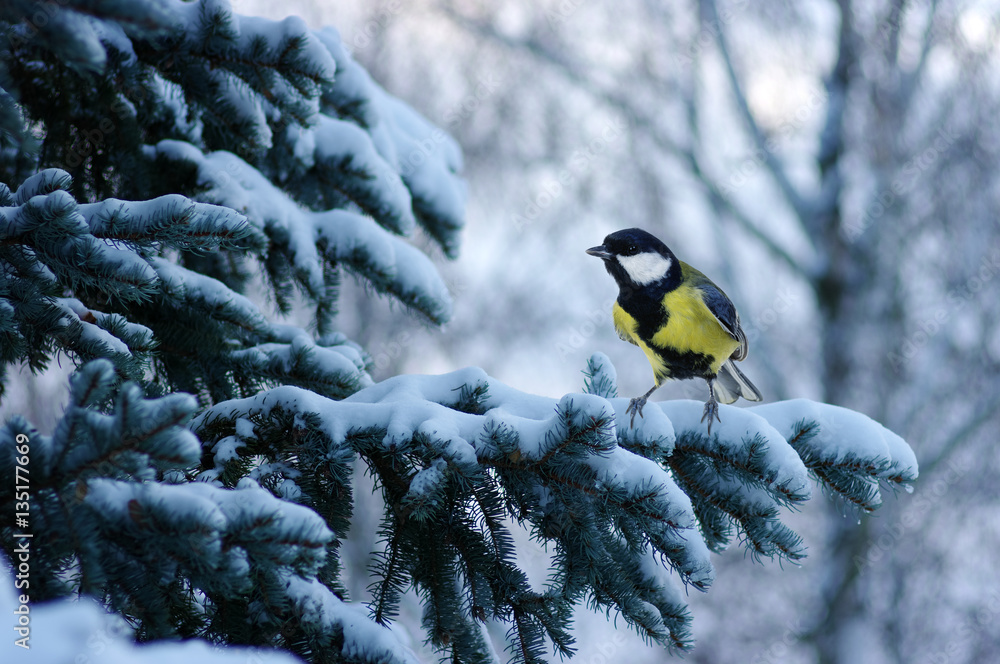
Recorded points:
645,268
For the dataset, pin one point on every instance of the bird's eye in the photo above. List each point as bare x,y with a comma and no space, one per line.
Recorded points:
632,249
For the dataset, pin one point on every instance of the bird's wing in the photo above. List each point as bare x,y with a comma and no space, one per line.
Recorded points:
724,311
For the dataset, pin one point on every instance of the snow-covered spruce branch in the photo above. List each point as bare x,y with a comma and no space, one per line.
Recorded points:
114,517
426,158
244,554
300,113
334,135
107,255
102,253
308,241
94,630
460,456
245,67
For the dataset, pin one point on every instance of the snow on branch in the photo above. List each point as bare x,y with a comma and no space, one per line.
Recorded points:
47,248
345,168
307,239
116,516
426,157
331,168
290,99
461,456
170,219
340,139
90,334
849,453
51,224
467,451
106,255
247,69
740,476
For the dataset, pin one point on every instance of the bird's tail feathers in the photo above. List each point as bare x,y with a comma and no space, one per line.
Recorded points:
731,384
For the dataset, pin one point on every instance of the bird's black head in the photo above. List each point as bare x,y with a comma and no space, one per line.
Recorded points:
638,260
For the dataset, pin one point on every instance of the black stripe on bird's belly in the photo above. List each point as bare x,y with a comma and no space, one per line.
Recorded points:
685,364
650,315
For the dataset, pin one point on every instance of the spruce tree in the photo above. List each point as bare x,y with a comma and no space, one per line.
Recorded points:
158,157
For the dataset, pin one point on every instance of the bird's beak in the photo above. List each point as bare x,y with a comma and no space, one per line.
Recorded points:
600,252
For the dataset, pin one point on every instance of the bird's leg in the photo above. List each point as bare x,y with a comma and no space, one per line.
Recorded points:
636,404
711,406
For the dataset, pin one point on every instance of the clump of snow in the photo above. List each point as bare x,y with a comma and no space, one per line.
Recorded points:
331,355
202,515
183,284
843,433
653,425
601,376
656,573
437,389
170,95
427,480
188,18
426,156
277,33
227,449
737,426
112,34
364,639
244,428
339,141
351,87
91,335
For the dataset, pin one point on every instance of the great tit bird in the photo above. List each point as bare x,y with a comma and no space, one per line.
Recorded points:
684,323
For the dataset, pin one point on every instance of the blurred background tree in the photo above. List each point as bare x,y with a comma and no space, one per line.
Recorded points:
833,165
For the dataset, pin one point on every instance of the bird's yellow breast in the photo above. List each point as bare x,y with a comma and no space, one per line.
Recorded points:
627,329
687,326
